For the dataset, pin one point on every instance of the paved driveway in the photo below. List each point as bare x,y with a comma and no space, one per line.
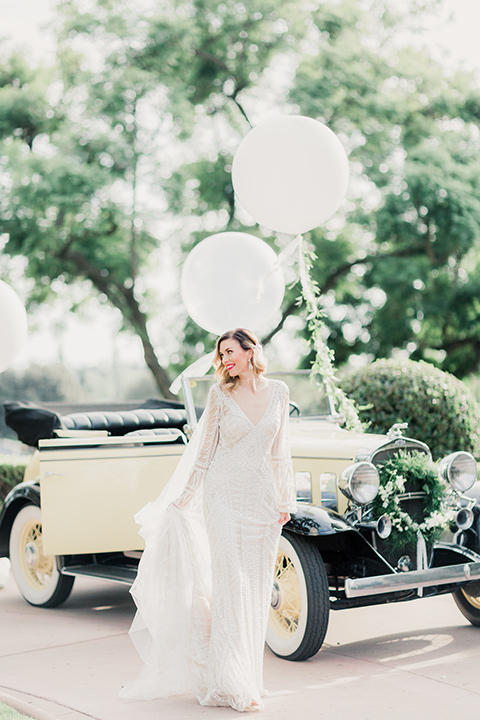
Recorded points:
414,660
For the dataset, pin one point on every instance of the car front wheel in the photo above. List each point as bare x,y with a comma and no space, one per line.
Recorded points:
35,573
300,603
468,602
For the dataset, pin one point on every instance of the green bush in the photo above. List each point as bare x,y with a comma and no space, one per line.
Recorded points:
438,408
11,473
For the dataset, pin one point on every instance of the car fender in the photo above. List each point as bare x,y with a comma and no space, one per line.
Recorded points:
26,493
330,532
313,521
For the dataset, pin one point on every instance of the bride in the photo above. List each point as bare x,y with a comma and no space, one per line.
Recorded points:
204,582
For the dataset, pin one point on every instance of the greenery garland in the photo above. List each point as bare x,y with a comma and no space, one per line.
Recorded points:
324,357
401,474
408,473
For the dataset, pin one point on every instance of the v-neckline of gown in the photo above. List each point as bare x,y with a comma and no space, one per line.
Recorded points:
266,409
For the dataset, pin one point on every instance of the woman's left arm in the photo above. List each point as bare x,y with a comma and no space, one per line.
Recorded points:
282,463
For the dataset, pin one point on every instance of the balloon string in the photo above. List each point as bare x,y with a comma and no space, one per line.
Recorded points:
280,259
288,250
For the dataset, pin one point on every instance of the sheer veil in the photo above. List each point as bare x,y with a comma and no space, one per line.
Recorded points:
173,581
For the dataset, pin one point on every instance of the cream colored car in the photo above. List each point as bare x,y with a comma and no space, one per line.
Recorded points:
73,514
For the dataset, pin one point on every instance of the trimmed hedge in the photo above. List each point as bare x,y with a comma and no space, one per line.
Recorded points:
438,408
11,473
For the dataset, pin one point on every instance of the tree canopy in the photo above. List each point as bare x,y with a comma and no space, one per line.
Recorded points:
125,144
402,266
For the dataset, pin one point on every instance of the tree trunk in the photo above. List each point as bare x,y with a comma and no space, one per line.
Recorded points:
124,300
138,321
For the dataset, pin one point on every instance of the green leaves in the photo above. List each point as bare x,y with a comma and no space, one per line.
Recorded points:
438,408
132,133
94,150
411,129
24,110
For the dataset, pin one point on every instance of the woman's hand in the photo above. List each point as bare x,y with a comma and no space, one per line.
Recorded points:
284,518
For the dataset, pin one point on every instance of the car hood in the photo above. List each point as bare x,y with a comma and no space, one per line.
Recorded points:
322,438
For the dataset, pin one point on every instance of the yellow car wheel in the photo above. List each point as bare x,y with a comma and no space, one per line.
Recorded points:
35,573
300,604
468,602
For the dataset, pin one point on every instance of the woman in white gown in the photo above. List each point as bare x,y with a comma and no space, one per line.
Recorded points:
204,582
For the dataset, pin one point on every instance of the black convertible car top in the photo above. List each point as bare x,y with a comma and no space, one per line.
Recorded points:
33,422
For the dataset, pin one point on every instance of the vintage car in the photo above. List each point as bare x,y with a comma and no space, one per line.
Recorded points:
73,514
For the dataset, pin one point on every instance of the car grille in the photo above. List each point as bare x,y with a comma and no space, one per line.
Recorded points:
393,447
412,503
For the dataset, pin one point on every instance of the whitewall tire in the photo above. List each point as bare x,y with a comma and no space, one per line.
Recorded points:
35,573
299,611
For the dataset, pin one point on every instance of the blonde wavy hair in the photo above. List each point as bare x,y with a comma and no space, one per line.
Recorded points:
247,341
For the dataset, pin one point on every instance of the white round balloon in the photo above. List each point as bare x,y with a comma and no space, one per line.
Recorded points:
290,174
13,325
232,280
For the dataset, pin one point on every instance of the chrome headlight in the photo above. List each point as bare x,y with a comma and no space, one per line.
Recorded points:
384,527
360,482
460,469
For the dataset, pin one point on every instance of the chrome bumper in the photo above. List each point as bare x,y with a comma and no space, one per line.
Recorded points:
379,584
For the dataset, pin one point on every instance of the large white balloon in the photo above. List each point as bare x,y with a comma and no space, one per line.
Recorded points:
13,325
232,280
290,174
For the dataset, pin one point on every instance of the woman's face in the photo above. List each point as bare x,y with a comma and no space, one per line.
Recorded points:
234,357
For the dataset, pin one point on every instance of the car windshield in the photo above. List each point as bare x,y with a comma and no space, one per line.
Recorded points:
308,394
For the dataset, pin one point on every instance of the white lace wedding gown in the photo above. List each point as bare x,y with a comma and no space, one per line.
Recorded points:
204,584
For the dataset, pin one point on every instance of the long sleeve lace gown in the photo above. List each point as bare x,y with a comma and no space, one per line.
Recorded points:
204,583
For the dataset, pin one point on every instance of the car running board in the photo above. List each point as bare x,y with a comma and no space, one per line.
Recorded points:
119,574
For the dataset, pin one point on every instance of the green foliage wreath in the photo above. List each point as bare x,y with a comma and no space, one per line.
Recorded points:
412,473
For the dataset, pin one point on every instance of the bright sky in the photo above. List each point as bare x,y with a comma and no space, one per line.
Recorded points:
452,33
23,22
455,28
456,32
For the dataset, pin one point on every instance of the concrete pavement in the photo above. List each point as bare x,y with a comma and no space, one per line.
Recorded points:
397,661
